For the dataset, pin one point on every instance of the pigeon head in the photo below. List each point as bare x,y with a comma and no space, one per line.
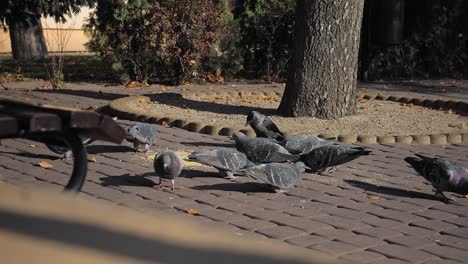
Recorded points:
238,136
418,165
132,132
300,166
254,117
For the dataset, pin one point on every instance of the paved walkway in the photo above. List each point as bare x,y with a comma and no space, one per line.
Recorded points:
372,210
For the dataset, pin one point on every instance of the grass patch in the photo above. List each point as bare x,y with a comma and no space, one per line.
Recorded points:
77,68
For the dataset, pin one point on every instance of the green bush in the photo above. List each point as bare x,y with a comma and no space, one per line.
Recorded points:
267,27
155,40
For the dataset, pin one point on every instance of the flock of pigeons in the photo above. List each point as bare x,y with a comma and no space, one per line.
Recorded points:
278,161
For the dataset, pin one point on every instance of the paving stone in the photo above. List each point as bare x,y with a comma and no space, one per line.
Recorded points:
377,232
280,232
339,222
334,247
381,222
451,241
396,215
435,214
306,240
223,215
388,261
450,208
363,256
458,232
434,225
307,225
253,224
333,233
397,205
308,211
447,253
348,213
414,231
409,241
361,207
262,214
402,253
459,221
442,261
362,241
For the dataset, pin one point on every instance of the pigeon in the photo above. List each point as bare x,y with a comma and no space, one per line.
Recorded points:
168,165
141,134
264,126
303,143
277,175
226,160
444,175
65,150
324,158
262,150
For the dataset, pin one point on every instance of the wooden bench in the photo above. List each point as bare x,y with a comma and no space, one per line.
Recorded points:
57,125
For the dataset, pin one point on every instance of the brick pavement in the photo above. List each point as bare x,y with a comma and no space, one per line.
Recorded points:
372,210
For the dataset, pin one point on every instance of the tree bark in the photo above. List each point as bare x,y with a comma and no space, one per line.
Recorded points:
27,39
323,68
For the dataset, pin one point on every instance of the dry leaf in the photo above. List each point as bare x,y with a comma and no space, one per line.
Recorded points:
450,111
466,196
403,104
92,158
91,108
114,118
374,197
144,100
411,105
133,84
192,211
45,164
42,87
165,124
32,146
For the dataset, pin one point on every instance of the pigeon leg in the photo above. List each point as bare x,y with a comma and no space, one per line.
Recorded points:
330,169
146,147
230,176
160,182
441,195
281,191
68,154
172,184
136,146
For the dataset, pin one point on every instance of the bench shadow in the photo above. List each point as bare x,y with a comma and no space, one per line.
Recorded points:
128,180
86,93
96,149
243,187
177,100
191,173
34,155
390,190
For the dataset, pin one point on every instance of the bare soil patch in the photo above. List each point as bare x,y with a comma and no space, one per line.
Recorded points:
373,117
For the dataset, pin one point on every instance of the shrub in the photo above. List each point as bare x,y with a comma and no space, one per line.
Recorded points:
155,40
267,27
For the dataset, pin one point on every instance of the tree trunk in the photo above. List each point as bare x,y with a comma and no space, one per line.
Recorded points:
27,39
323,68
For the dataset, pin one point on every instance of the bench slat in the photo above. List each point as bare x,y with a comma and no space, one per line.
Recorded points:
8,125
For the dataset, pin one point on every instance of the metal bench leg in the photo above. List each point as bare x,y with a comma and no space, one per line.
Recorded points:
80,163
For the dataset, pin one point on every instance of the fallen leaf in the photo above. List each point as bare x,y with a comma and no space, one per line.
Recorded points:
32,146
42,87
92,158
411,105
450,111
144,100
374,197
192,211
466,196
114,118
165,124
133,84
45,164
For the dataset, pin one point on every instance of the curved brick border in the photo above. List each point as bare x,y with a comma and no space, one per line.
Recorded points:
124,108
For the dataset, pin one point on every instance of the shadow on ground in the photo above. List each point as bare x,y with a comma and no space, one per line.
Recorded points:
244,187
96,149
128,180
177,100
390,190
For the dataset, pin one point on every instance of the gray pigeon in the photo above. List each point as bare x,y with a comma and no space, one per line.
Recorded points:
141,134
65,150
262,150
168,165
226,160
263,126
324,158
303,143
444,175
278,175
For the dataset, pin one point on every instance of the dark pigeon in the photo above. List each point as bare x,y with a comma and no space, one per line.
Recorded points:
444,175
226,160
277,175
262,150
168,165
303,143
141,134
264,126
325,157
65,150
